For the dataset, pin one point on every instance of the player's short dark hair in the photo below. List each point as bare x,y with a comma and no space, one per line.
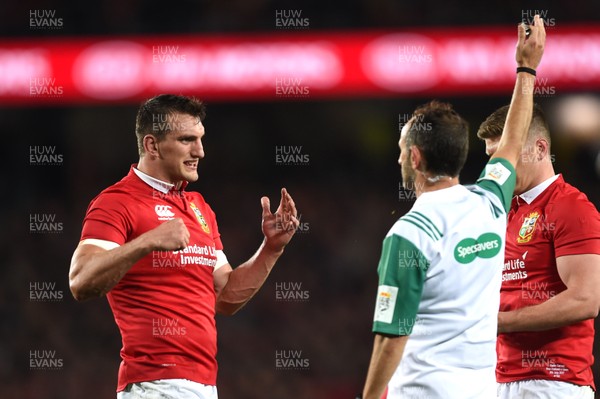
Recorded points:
157,109
493,126
442,136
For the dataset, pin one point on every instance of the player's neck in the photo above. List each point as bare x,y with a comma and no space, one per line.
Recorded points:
543,173
147,168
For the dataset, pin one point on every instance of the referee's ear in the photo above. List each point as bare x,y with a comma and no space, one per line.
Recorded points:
416,158
150,144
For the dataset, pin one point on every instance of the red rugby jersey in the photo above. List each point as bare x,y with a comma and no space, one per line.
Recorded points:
559,221
165,305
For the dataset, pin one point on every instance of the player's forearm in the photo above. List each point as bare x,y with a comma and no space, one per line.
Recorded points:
528,55
564,309
95,272
387,353
518,119
245,280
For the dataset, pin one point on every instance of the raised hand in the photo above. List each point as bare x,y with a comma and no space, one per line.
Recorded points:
279,228
531,48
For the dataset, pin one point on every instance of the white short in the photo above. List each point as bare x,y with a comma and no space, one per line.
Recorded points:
168,389
543,389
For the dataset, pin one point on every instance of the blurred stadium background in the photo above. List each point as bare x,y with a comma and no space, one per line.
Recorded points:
330,81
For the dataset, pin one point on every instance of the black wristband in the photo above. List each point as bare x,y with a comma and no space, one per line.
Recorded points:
525,69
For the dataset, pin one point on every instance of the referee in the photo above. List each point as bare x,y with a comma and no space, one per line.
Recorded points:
437,302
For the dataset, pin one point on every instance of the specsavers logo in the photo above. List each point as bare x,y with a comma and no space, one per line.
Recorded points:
486,246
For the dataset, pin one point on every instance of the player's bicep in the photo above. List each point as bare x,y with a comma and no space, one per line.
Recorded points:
581,274
84,251
402,269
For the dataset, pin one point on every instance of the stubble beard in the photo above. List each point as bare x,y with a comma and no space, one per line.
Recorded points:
408,177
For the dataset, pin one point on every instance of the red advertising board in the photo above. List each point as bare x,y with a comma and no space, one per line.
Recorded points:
294,65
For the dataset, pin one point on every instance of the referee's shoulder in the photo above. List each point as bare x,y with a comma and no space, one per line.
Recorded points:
423,221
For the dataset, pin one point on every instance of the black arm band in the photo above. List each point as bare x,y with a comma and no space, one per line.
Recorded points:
525,69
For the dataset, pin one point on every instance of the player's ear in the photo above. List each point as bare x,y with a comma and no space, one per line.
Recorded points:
543,148
150,145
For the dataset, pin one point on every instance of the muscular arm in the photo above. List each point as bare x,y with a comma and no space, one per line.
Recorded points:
529,54
580,301
387,353
234,288
94,270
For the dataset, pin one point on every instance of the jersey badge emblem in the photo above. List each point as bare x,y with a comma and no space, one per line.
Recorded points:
528,227
496,172
386,303
200,218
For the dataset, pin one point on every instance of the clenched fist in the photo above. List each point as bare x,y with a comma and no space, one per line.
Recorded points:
169,236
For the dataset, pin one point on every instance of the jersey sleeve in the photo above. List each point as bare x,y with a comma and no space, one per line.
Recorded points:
214,228
402,269
107,219
499,178
576,226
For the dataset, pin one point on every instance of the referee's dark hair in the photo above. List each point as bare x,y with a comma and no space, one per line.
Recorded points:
153,115
493,126
442,136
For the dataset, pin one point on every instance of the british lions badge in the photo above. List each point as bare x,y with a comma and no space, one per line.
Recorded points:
528,227
200,218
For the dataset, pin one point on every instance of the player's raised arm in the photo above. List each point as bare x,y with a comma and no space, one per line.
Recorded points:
528,56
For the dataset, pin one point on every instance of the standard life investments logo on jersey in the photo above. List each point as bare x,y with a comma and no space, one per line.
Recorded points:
486,246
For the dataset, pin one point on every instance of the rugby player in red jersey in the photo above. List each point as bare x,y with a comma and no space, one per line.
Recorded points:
549,295
155,251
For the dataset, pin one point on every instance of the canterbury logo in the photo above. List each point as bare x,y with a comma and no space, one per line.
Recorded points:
164,212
